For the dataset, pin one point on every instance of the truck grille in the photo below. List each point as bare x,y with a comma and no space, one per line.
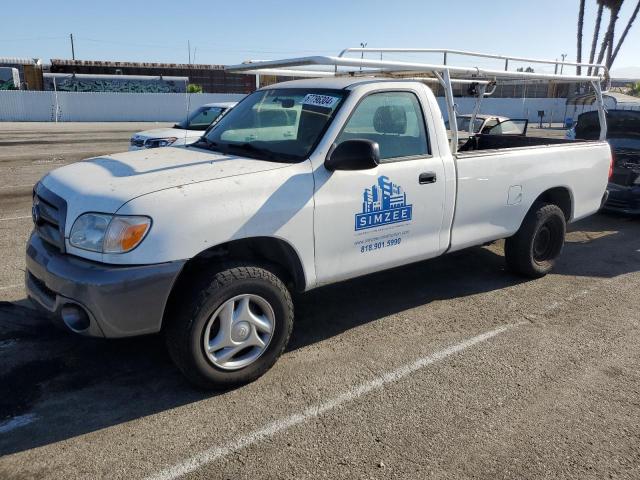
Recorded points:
49,213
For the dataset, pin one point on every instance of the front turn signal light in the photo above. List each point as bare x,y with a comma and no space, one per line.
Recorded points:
125,233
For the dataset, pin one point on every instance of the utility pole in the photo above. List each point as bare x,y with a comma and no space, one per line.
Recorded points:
563,55
363,45
73,52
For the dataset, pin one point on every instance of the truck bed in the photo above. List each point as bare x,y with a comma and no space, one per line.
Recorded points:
495,142
500,180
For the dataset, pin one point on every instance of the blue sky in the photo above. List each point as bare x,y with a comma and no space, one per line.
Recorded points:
233,31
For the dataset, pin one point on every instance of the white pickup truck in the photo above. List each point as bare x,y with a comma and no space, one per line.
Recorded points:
206,242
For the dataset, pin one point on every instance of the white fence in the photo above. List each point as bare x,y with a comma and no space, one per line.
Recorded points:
29,106
554,108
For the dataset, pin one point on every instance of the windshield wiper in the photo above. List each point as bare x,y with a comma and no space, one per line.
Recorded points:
263,153
208,144
252,149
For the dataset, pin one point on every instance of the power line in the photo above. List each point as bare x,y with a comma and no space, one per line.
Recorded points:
31,39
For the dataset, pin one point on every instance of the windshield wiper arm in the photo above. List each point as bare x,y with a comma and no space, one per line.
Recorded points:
250,148
208,144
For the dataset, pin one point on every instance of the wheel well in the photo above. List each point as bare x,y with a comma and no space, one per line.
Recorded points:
561,197
273,251
278,254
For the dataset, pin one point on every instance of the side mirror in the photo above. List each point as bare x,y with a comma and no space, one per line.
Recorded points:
356,154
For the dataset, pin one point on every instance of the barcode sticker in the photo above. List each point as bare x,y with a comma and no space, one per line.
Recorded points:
320,100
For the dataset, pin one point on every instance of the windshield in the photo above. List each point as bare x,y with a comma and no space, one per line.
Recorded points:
463,124
201,118
282,124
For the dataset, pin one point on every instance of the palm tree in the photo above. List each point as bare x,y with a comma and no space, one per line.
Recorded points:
624,34
580,27
606,46
596,34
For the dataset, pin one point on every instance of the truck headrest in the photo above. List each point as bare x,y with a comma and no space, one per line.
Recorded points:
390,119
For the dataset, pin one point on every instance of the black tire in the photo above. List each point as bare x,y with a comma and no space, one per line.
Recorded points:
532,251
190,312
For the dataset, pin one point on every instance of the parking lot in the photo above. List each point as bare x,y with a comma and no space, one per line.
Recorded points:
450,368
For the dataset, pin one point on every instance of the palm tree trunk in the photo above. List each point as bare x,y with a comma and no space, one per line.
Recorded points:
608,36
624,34
580,27
610,45
596,35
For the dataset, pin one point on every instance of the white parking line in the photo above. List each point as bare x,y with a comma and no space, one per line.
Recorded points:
9,287
17,186
5,219
212,454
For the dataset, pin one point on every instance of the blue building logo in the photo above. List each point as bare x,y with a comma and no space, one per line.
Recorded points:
383,204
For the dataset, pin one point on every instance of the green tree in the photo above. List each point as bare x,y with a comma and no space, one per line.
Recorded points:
193,88
634,89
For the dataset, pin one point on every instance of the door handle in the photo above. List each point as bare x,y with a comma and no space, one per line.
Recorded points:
427,177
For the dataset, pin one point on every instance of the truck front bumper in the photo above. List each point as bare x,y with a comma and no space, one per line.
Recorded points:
96,299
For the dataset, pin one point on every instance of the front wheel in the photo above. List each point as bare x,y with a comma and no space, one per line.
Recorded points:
231,328
532,251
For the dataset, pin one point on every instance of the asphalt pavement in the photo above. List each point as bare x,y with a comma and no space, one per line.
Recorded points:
450,368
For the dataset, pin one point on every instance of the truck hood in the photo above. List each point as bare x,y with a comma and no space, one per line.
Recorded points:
104,184
168,132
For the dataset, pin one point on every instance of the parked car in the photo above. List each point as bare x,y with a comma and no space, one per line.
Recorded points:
492,125
623,134
302,184
182,133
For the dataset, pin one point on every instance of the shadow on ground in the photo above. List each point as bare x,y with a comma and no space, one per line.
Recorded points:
75,385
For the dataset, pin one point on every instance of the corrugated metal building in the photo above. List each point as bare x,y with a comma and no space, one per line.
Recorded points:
29,70
212,78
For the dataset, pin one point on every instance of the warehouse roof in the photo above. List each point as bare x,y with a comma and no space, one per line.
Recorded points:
103,63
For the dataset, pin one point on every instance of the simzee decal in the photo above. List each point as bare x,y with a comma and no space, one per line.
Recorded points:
383,204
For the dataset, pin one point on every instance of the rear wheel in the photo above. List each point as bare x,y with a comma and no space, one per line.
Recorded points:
532,251
231,327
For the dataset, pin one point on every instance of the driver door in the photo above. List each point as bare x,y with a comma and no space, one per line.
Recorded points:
369,220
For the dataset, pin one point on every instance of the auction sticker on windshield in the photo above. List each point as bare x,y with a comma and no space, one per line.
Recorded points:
320,100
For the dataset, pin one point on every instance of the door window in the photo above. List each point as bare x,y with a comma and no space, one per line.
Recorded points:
509,127
392,119
203,118
489,125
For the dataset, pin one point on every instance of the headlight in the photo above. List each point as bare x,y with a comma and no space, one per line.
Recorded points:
105,233
159,142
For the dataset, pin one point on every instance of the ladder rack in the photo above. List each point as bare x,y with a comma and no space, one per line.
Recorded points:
445,74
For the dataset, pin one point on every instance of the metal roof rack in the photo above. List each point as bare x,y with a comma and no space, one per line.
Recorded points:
445,74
